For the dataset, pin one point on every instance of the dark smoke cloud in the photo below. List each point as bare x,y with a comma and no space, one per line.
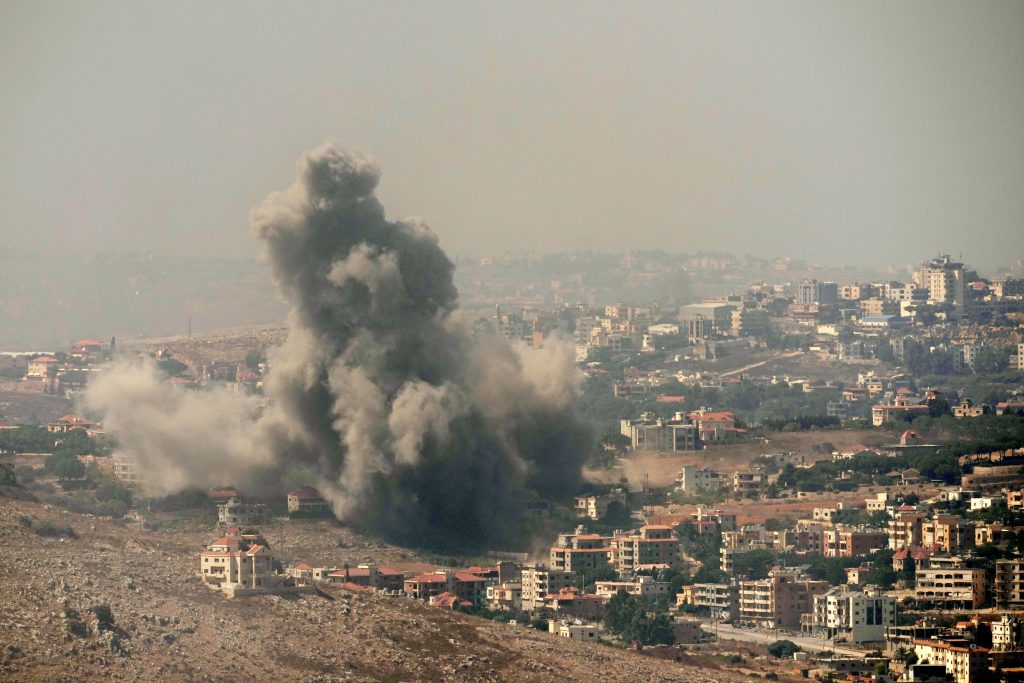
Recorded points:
413,427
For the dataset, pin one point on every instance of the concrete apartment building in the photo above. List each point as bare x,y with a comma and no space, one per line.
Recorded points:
693,479
664,435
505,596
847,542
1009,584
642,586
964,661
749,484
811,292
948,533
1007,633
539,581
944,279
780,600
721,599
906,528
716,316
580,552
861,615
596,507
652,545
952,586
234,512
125,470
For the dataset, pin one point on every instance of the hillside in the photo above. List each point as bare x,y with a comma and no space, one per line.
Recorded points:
168,625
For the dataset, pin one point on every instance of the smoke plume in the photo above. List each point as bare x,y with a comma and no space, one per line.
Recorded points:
410,425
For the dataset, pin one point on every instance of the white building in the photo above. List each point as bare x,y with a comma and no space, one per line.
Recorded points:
860,614
693,479
574,630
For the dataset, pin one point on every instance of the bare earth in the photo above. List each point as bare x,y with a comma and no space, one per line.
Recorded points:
169,627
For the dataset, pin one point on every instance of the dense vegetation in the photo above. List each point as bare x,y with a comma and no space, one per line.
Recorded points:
640,619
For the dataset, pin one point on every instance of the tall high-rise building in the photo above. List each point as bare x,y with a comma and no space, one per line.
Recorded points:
945,281
813,292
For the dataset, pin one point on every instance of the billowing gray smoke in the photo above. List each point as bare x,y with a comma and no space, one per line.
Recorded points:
411,426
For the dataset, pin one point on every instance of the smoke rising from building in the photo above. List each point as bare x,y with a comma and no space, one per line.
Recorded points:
412,426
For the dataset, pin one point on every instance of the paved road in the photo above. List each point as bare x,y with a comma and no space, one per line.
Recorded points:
750,635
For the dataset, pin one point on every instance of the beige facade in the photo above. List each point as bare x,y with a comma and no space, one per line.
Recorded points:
652,545
238,561
1009,584
780,600
950,587
539,581
964,662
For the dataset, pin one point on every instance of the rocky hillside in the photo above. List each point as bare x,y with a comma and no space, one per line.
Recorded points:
163,624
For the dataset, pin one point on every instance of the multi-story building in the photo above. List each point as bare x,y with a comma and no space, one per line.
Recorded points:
1009,584
808,538
1007,633
236,513
125,471
713,425
906,528
694,479
950,586
715,316
812,292
862,615
749,484
505,596
538,581
780,600
949,533
652,545
898,410
964,661
641,586
238,562
595,507
847,542
944,280
749,322
663,435
721,599
580,552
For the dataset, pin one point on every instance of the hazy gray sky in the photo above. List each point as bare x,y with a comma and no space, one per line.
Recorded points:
846,132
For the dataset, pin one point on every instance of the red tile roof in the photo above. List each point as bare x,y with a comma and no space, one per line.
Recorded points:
305,493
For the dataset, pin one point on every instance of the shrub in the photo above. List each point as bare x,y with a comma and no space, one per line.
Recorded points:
104,615
47,529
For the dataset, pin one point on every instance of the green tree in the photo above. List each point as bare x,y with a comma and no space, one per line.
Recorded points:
783,649
65,466
992,360
253,359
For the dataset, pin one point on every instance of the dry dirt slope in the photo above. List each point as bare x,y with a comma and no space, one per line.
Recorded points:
171,628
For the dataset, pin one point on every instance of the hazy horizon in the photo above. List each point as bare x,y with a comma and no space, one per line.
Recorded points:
863,133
